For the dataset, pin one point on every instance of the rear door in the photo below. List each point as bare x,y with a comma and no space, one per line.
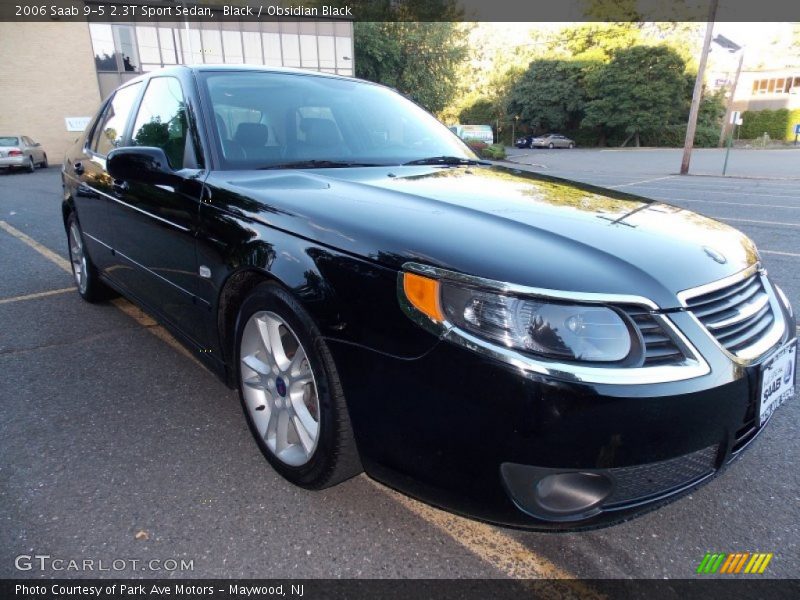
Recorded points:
94,191
155,225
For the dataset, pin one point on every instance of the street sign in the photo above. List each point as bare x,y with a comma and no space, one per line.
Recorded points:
736,118
797,129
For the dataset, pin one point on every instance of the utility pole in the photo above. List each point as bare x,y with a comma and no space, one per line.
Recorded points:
726,123
697,94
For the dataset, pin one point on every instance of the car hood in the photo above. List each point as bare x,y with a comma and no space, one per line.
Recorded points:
502,224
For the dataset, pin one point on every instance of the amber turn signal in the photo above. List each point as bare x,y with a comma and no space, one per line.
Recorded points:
423,293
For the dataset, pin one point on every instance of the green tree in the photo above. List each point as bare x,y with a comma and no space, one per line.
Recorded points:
642,89
415,46
551,94
480,112
418,59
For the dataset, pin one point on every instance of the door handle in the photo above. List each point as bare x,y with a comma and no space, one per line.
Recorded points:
120,186
78,168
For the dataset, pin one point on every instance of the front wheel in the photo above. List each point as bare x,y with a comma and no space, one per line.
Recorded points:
571,146
290,391
44,164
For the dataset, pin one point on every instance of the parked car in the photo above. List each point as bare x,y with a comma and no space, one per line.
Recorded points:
552,140
524,141
524,349
20,151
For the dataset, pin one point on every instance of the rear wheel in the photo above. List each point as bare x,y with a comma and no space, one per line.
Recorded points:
31,167
89,285
290,391
551,145
571,145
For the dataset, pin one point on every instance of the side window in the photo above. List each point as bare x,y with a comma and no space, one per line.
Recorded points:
111,128
162,121
27,140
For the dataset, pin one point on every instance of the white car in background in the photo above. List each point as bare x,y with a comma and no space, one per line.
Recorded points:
20,151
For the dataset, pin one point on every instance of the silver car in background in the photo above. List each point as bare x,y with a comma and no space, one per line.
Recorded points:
22,152
552,140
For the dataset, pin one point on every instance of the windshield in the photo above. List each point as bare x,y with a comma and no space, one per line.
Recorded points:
9,141
268,120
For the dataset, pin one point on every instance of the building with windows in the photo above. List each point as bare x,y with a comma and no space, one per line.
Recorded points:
62,70
768,89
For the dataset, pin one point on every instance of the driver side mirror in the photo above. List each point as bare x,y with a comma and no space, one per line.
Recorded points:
142,164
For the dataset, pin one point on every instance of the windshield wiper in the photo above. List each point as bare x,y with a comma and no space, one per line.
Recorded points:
319,164
446,160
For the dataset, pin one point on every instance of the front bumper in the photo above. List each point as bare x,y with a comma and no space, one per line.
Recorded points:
476,436
13,161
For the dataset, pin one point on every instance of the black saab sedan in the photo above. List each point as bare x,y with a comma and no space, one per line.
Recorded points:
518,348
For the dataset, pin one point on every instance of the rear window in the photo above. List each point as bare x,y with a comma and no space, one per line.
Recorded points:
9,141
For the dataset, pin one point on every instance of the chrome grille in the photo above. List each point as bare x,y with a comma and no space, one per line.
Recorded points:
660,348
737,315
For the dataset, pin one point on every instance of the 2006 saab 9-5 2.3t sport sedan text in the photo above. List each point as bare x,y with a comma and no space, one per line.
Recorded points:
518,348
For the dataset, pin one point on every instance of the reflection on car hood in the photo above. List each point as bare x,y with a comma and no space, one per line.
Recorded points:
503,224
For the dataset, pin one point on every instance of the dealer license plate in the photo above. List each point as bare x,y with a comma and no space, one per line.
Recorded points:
778,376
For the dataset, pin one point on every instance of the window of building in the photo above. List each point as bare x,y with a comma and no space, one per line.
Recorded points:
212,45
166,41
161,121
111,128
232,47
273,55
105,56
125,41
251,40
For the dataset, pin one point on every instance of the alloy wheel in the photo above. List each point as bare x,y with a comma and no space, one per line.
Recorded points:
279,388
78,257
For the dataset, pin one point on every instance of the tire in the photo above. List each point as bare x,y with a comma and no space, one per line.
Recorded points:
280,394
44,164
31,165
551,145
571,146
87,280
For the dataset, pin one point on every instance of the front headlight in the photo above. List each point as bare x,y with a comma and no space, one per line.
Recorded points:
560,331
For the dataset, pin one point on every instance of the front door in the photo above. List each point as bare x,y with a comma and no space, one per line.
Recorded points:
155,225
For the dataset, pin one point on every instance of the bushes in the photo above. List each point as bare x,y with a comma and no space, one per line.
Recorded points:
779,124
484,150
706,136
494,152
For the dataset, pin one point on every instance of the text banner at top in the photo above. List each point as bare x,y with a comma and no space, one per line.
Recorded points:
384,10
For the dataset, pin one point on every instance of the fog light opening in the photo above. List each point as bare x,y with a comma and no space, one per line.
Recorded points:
572,493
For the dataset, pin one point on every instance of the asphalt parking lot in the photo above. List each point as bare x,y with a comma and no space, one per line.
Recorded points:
117,444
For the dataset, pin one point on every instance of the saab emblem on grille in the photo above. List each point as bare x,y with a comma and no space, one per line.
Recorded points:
717,256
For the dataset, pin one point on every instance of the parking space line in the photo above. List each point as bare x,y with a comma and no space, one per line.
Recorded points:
124,305
490,545
44,251
779,223
778,252
36,295
670,200
640,182
710,191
